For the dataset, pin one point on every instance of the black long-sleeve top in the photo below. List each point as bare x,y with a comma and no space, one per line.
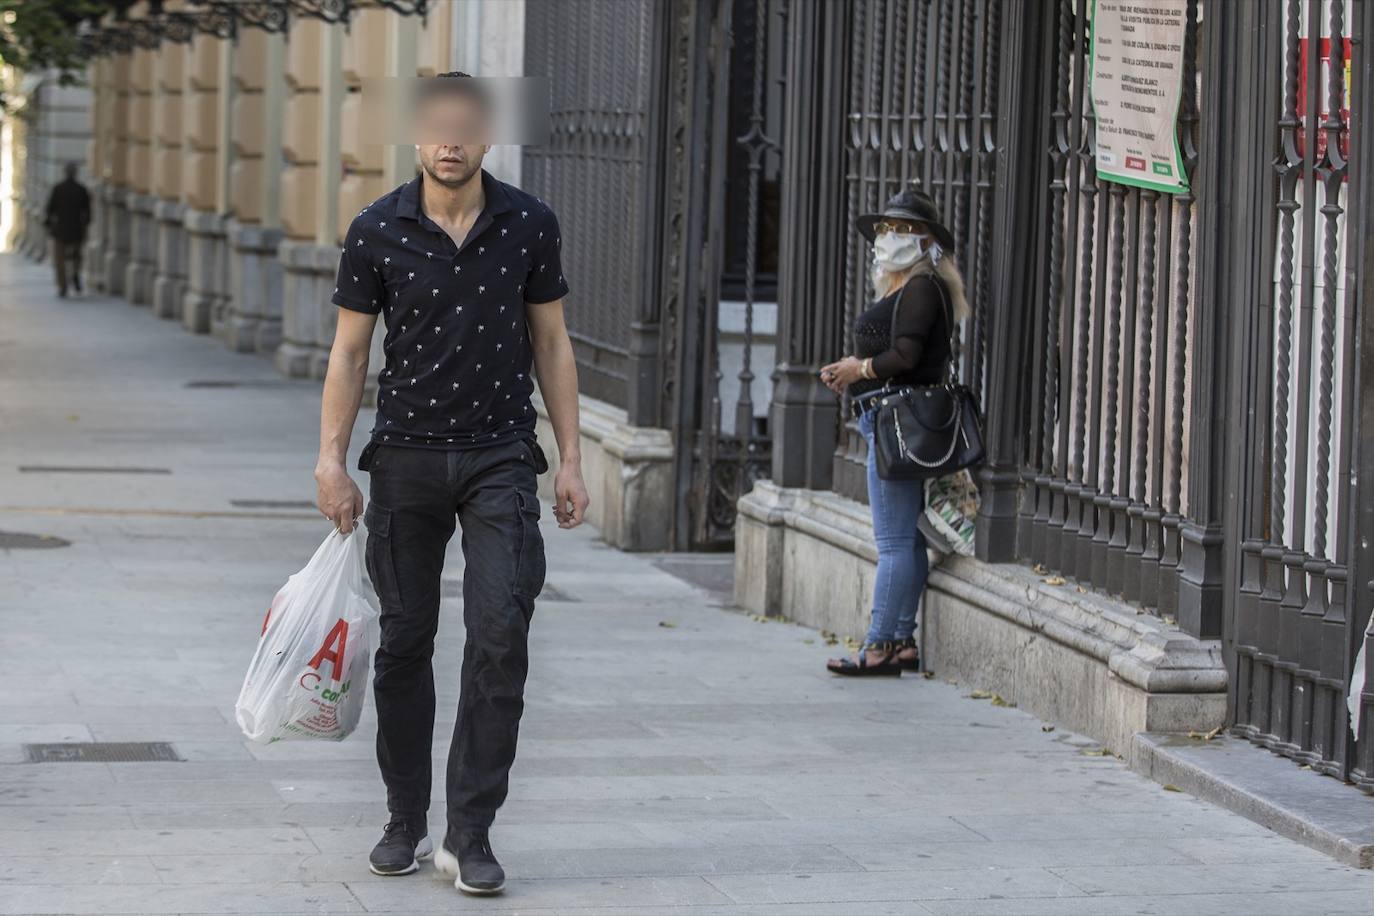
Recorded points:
920,349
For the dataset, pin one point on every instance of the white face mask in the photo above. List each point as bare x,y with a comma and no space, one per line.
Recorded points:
893,251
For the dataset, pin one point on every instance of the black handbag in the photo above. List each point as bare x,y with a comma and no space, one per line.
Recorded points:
924,431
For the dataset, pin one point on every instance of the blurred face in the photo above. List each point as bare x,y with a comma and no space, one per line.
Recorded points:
449,130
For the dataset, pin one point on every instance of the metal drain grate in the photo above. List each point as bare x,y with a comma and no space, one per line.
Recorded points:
453,588
272,503
90,469
18,540
103,752
240,383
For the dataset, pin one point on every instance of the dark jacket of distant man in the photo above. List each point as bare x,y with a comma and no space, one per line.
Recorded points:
69,210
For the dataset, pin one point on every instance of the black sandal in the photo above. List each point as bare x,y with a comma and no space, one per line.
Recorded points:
848,667
912,664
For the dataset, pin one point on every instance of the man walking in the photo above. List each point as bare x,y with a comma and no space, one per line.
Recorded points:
465,271
68,215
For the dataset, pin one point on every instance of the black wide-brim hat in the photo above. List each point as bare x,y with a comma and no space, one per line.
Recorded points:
911,204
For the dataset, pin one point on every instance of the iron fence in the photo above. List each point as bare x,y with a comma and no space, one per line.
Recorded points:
1294,633
598,58
1106,465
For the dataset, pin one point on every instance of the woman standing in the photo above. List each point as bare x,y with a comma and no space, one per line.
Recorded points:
902,339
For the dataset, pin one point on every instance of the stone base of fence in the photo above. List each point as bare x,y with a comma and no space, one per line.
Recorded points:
1075,658
629,475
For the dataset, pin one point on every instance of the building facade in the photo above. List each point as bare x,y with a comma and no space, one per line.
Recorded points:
1177,392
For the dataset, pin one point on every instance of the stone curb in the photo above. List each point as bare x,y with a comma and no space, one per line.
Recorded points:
1313,809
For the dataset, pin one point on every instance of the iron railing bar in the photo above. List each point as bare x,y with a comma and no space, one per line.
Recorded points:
987,165
1288,206
944,107
1120,499
1111,404
1066,508
1043,519
1134,569
1297,539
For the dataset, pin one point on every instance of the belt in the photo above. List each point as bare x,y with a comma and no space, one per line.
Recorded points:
864,402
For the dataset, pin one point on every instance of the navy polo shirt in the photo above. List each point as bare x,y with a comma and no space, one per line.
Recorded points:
457,348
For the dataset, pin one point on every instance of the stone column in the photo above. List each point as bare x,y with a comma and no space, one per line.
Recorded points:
252,196
810,332
204,138
33,234
98,74
302,265
1016,210
115,174
434,41
169,278
370,168
139,269
400,55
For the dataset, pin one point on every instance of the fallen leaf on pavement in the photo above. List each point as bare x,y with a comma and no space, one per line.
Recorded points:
1170,787
1054,580
1047,728
1040,569
980,695
666,625
997,700
1095,752
927,674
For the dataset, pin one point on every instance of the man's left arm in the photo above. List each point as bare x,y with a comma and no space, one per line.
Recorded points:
556,371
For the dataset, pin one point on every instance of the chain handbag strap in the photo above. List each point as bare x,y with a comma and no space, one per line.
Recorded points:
909,455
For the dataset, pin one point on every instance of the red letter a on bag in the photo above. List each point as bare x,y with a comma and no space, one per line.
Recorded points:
333,649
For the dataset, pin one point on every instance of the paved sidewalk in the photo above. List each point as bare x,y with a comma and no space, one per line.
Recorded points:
676,757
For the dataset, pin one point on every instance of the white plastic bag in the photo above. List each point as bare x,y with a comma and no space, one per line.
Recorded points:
308,676
1352,698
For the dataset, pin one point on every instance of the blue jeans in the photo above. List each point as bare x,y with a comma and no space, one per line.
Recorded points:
902,562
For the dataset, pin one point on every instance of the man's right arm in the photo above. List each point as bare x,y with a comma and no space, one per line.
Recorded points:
338,497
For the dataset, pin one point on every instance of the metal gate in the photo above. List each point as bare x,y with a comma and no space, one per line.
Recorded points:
725,120
1297,626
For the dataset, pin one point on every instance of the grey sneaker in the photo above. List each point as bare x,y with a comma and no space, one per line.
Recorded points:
403,845
466,856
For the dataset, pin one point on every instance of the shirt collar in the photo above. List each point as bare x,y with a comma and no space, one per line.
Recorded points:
493,191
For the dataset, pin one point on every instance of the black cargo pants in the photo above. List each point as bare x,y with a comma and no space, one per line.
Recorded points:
416,496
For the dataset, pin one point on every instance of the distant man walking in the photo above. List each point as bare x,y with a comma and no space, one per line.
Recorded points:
68,215
465,271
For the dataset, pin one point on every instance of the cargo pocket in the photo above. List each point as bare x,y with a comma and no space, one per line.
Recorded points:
381,561
529,556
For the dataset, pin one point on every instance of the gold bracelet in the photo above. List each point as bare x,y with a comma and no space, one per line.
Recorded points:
868,369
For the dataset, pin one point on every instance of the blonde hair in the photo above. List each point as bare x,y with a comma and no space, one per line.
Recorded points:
886,281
